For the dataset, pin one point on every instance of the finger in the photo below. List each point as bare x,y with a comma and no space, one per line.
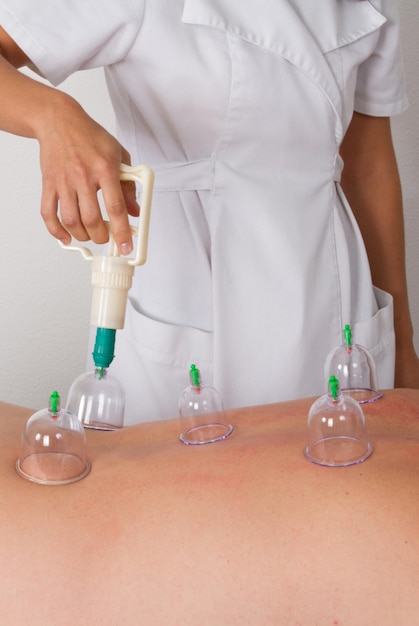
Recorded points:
129,191
79,217
90,213
118,213
49,213
60,210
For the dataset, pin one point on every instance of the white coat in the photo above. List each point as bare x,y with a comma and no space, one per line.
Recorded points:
255,260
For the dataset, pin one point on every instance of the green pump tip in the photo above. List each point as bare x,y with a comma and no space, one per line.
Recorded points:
333,387
347,334
195,376
103,352
54,403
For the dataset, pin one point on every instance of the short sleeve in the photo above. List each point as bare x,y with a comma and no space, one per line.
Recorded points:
63,36
380,89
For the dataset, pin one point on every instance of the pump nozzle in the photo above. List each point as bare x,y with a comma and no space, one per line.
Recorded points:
195,376
334,387
347,335
54,406
103,352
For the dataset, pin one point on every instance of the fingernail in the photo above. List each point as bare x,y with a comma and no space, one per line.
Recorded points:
125,248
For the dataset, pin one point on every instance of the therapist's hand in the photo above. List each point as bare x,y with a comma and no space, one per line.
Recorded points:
79,158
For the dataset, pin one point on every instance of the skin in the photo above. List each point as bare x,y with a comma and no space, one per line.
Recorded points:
244,531
371,182
79,157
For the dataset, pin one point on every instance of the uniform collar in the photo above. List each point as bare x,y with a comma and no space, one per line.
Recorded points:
300,31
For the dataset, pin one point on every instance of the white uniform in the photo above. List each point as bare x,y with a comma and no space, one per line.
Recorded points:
255,260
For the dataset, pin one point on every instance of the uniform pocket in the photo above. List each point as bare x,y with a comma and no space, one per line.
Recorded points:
167,343
377,336
152,361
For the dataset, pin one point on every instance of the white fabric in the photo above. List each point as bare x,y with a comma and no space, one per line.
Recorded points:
255,260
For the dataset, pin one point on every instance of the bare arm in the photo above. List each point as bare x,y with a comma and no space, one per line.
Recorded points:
78,157
372,185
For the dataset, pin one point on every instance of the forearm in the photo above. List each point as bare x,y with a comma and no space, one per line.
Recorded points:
78,156
372,185
25,103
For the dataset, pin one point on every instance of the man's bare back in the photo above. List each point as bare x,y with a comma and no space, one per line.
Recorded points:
245,531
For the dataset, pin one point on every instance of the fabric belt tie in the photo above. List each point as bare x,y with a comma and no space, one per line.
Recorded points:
199,175
184,176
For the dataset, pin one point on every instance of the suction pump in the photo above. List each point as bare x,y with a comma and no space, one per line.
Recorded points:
96,397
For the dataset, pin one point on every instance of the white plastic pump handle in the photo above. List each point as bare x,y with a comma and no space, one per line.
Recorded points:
145,176
112,273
